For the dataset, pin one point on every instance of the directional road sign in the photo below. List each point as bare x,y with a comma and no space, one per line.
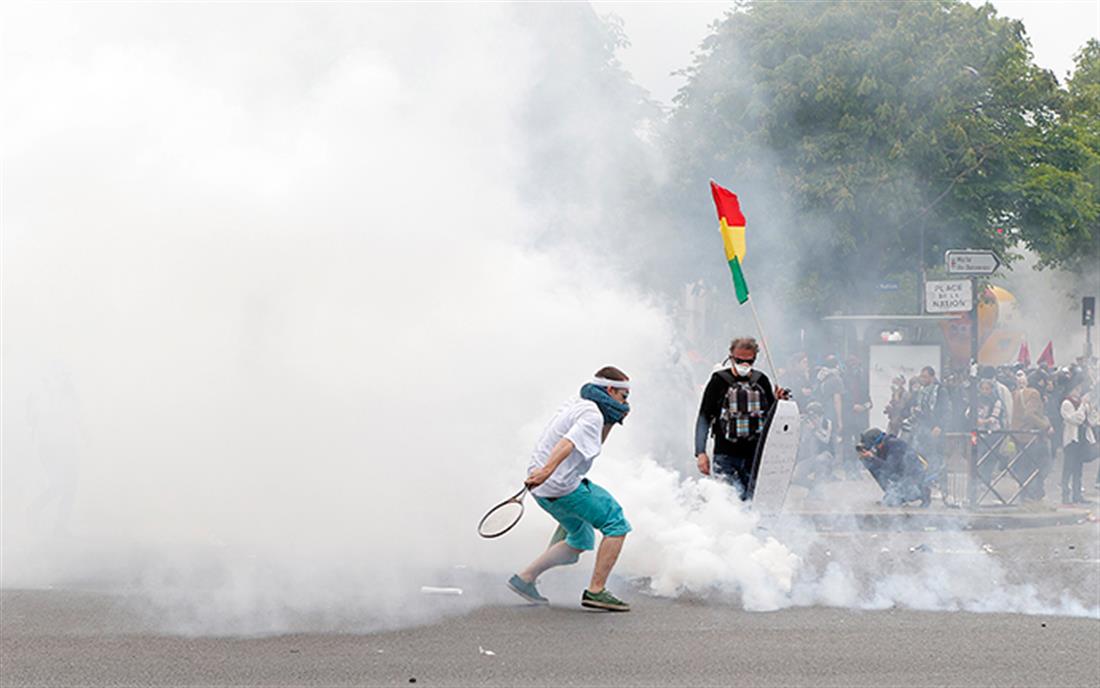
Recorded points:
972,262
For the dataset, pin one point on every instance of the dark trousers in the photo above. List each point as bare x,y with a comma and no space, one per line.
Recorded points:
1073,464
737,469
900,484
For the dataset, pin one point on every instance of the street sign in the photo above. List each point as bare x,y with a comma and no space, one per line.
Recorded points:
972,262
948,296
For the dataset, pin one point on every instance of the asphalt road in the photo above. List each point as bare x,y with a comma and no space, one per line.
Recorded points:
86,638
660,643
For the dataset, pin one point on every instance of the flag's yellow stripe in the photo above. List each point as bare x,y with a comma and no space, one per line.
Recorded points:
734,240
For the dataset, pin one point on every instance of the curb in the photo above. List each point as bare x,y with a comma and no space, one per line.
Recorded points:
960,519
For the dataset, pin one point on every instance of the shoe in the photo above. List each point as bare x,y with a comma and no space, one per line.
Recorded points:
526,590
603,600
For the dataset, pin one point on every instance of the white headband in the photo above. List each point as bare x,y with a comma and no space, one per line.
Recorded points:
604,382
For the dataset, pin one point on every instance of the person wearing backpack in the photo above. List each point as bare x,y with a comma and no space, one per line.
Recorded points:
735,406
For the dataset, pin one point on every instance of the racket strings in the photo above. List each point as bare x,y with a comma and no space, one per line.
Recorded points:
500,519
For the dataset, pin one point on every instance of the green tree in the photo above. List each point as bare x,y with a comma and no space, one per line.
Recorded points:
1060,194
857,132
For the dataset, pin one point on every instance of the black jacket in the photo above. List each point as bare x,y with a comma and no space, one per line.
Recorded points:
714,397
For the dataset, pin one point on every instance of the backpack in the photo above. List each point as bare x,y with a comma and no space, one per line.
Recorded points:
742,415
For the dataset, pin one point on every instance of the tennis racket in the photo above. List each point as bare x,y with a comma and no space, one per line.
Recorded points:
502,517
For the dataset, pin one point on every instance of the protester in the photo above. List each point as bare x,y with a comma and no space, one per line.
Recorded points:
563,455
901,473
909,422
932,410
857,405
1021,379
1003,392
829,392
991,413
815,456
957,387
1029,416
1078,439
735,406
802,382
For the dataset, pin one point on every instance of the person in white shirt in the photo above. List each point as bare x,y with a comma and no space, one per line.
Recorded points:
1079,415
556,477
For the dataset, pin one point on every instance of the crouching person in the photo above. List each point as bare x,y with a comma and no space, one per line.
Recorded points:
901,473
562,457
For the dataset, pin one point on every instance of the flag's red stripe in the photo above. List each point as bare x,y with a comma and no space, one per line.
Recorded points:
728,207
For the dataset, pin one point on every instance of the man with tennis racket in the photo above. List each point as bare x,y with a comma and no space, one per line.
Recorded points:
562,456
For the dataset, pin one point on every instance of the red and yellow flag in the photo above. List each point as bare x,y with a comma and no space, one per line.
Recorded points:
731,223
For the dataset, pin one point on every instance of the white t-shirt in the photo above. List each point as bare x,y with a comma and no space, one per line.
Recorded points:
579,421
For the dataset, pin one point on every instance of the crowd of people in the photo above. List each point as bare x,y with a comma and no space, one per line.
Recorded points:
1036,415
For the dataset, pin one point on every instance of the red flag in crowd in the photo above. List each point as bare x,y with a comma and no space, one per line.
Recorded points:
1047,356
1024,357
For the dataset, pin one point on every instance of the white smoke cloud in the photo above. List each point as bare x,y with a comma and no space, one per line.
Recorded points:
286,279
269,274
693,537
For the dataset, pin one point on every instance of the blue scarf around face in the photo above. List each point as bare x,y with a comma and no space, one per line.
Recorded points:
612,409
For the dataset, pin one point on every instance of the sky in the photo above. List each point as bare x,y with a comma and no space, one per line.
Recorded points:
664,35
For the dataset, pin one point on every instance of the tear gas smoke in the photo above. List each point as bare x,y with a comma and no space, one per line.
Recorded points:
283,284
276,330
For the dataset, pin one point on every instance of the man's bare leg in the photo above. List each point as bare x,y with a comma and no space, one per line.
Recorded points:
557,554
606,556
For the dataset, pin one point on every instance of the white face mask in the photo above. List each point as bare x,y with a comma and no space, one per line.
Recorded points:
742,369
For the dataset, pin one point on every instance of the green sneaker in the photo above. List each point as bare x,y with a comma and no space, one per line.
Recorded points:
603,600
526,590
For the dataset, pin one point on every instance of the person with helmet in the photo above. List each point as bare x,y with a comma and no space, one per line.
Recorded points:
900,471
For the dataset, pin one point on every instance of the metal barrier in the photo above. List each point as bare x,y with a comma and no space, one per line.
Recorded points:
990,465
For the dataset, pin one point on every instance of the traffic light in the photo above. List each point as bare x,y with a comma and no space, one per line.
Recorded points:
1088,311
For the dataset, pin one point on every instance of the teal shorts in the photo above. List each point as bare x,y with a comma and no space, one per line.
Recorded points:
584,509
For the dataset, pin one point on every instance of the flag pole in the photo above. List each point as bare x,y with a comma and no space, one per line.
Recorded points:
763,340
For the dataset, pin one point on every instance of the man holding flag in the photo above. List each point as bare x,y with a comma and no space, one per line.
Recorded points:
737,400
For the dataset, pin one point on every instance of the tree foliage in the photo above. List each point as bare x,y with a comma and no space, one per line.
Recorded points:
1060,204
857,132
